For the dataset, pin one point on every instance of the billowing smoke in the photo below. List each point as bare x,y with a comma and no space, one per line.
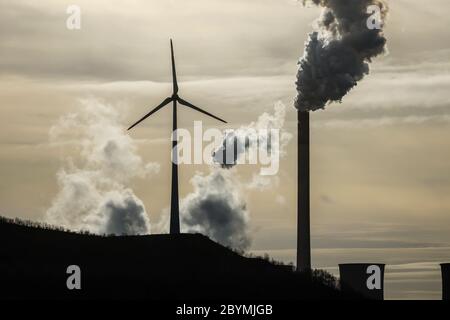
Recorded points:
338,52
217,207
254,137
92,195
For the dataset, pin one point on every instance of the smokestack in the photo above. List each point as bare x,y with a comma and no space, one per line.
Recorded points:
445,270
366,279
303,224
336,56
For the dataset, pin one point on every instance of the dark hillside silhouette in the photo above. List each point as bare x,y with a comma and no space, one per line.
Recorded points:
34,259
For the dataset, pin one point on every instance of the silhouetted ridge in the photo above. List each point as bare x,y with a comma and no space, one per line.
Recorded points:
184,266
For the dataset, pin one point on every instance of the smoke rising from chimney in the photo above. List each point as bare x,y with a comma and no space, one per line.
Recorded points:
92,195
217,207
338,52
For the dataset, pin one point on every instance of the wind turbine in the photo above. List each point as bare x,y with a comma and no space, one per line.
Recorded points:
174,207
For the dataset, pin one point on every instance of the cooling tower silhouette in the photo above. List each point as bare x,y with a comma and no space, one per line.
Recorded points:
445,270
367,279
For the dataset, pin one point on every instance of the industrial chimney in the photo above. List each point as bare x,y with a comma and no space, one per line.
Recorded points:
336,57
303,223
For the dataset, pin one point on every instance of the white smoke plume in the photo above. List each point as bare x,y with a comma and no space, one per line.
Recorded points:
92,194
254,136
338,52
217,207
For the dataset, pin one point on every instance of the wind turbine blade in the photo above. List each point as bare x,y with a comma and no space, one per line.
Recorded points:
174,72
190,105
162,104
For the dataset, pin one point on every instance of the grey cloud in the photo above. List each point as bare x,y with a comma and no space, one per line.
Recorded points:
358,123
119,42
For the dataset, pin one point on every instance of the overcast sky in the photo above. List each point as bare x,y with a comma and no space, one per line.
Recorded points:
380,172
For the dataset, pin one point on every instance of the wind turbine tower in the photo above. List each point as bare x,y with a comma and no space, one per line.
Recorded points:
174,206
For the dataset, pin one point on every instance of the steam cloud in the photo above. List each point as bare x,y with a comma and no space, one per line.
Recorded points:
217,207
338,52
252,137
92,195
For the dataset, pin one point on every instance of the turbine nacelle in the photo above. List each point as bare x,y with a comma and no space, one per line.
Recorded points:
175,96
